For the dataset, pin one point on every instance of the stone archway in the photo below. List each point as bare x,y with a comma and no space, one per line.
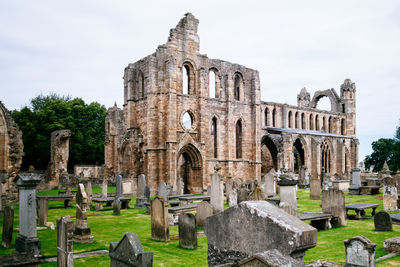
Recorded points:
329,93
269,155
189,169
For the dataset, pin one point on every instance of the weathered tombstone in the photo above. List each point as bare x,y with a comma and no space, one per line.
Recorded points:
256,194
89,192
268,183
315,189
333,202
117,206
390,196
187,231
65,228
118,186
217,194
392,245
360,252
287,190
243,194
8,221
269,258
82,230
159,219
383,221
303,181
385,171
27,240
179,186
232,198
355,180
141,200
163,190
43,211
147,193
252,227
209,190
128,252
203,210
104,188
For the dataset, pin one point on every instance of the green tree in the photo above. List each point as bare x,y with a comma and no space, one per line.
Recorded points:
53,112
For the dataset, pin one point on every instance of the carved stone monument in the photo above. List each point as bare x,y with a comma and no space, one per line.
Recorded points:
82,232
203,210
360,252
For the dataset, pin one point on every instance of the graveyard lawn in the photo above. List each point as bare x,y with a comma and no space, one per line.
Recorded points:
108,228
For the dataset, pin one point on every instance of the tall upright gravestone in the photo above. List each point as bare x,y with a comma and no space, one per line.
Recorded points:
27,240
65,228
8,221
390,196
159,219
82,232
187,231
141,200
217,193
333,203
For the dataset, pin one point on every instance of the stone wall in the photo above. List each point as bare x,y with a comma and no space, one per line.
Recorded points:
59,154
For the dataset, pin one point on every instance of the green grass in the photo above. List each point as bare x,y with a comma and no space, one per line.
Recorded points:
108,228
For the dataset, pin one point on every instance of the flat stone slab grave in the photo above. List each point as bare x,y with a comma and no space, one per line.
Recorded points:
186,200
319,220
395,218
178,196
360,210
66,198
99,201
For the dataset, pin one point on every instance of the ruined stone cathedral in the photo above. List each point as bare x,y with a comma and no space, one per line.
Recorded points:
183,113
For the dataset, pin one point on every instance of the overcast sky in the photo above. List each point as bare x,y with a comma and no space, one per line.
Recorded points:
80,48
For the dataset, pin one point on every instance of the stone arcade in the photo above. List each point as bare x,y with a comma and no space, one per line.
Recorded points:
184,113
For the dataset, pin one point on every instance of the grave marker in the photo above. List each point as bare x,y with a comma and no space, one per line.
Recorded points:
65,228
8,221
383,221
203,210
360,252
187,231
159,219
333,202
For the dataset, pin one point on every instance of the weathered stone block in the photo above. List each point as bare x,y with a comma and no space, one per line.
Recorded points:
392,245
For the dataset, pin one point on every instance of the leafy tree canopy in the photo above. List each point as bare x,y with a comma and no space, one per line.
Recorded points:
46,114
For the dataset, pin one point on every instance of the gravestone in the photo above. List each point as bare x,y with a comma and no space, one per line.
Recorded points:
390,196
209,190
43,211
360,252
128,252
27,240
118,186
117,206
203,210
392,245
333,202
89,192
256,194
268,184
217,193
288,209
233,198
141,199
163,190
253,227
243,194
187,231
65,228
104,188
315,189
8,221
159,219
82,232
179,186
383,221
355,180
147,193
303,180
272,258
287,190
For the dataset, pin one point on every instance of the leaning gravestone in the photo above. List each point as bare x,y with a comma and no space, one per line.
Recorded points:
128,252
65,228
82,232
390,196
8,221
141,199
253,227
217,193
333,202
360,252
27,240
268,183
159,219
204,209
187,231
383,221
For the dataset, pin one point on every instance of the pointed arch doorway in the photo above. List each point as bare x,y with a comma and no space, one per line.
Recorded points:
189,169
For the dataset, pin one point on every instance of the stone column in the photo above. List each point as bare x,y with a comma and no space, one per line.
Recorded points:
27,240
65,228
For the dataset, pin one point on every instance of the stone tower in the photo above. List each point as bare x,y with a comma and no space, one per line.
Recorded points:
348,95
303,98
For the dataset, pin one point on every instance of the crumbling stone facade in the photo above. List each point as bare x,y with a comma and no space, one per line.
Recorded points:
11,145
184,113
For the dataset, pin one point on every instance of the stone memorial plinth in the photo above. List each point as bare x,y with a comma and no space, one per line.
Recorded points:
287,190
360,252
159,219
203,210
27,240
82,232
253,227
383,221
65,229
315,189
8,220
390,196
187,231
128,252
333,202
217,193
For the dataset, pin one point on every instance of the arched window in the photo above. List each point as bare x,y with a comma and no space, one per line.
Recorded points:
212,84
296,120
323,125
141,84
290,123
239,139
317,123
185,79
325,157
274,117
303,121
342,127
266,116
311,122
238,80
214,136
330,125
